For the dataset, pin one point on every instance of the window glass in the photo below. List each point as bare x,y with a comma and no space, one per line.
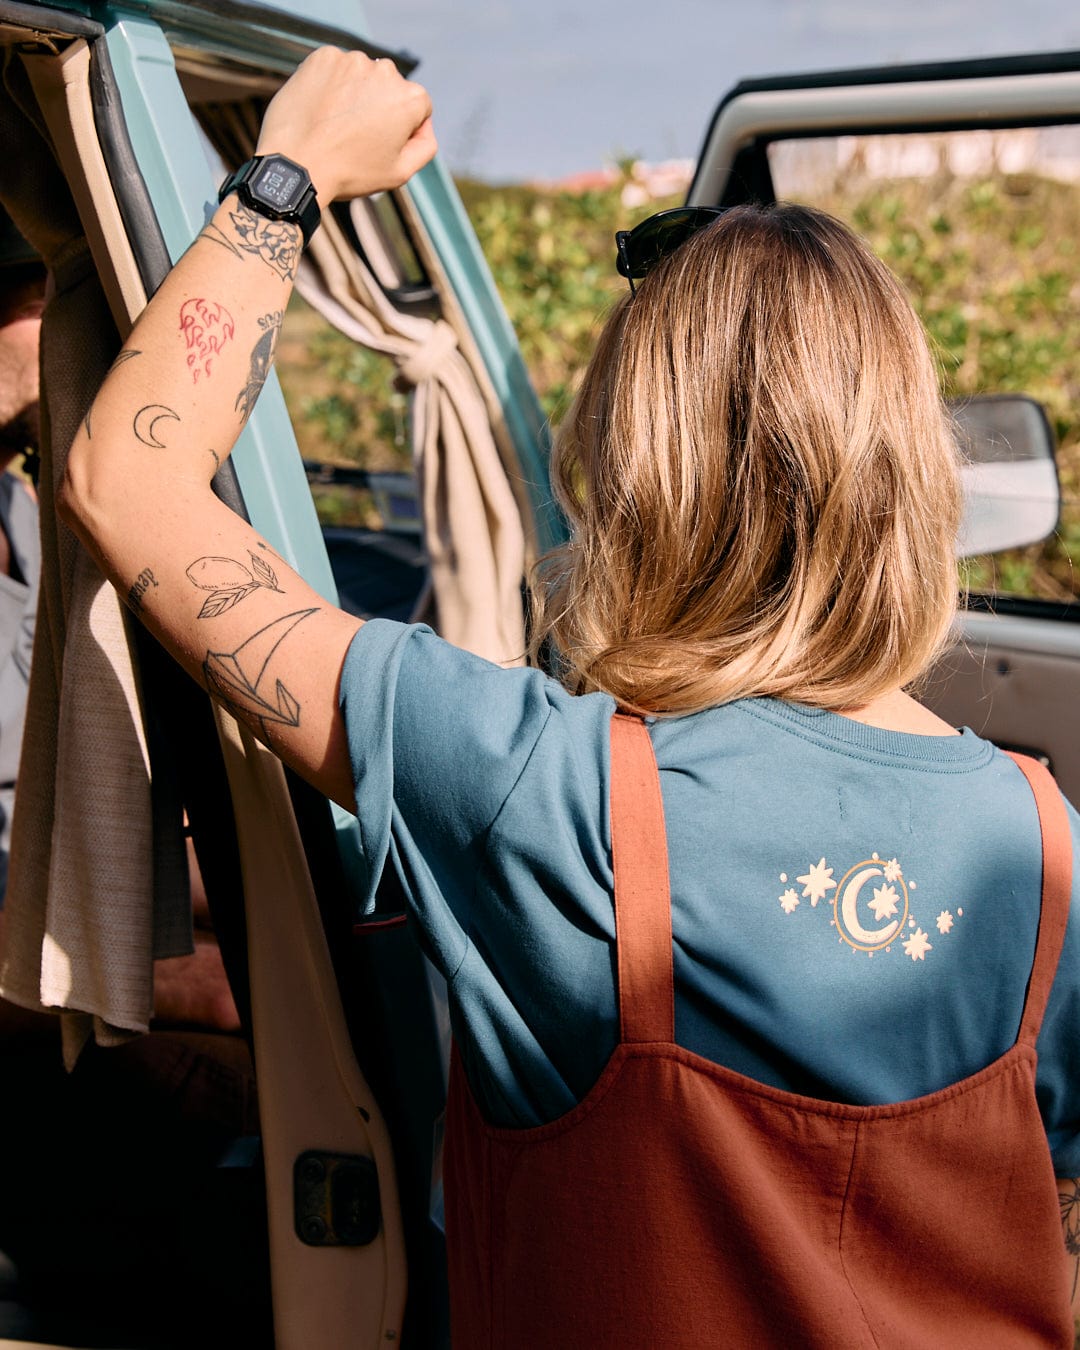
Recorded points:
346,412
981,228
351,423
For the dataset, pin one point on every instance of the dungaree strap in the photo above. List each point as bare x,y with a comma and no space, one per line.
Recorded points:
642,892
1056,892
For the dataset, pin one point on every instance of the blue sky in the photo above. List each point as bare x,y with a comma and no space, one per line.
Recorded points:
529,90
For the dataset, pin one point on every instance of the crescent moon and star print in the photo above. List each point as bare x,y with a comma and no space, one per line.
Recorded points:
871,906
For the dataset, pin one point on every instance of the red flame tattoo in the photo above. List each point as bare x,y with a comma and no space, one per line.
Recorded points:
206,327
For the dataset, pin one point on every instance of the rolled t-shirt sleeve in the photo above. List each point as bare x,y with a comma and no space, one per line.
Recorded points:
437,738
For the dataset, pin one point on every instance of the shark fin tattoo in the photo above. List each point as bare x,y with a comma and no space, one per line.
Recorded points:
240,680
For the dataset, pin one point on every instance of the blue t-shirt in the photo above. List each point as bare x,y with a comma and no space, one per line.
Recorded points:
854,910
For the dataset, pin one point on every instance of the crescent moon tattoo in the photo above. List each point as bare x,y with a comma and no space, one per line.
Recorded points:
146,419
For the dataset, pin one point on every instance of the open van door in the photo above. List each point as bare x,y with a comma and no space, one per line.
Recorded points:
965,178
96,95
116,134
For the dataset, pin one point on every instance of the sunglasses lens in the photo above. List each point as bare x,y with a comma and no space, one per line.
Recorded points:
643,247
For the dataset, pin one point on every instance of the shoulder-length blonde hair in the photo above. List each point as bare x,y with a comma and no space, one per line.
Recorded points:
760,479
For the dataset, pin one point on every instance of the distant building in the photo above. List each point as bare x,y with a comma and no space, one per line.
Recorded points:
810,166
641,183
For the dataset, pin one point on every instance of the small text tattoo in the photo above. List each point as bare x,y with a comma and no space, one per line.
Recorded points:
146,420
140,586
262,354
246,681
217,460
229,581
123,356
206,327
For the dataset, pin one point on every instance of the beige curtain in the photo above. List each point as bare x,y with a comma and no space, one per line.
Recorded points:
83,921
472,526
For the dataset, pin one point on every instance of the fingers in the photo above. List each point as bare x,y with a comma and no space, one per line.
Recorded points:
419,149
356,124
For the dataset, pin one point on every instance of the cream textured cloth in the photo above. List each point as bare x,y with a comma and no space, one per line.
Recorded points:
82,921
472,524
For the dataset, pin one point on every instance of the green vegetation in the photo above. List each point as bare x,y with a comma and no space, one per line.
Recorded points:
991,266
553,259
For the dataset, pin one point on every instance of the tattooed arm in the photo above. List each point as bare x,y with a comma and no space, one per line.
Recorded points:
1069,1195
137,489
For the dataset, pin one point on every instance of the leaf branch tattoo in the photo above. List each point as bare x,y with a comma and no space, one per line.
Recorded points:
125,355
276,242
243,681
139,587
206,327
262,355
229,581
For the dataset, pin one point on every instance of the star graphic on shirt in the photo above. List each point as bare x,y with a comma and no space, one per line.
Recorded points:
917,946
884,902
789,900
817,881
944,921
893,871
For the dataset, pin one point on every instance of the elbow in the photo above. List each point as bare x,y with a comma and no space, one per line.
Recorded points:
74,492
89,497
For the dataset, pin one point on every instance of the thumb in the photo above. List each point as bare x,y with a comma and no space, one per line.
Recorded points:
419,149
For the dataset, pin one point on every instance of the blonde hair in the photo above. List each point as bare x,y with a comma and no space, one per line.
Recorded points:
760,479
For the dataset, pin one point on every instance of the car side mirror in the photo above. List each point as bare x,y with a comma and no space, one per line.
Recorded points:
1009,476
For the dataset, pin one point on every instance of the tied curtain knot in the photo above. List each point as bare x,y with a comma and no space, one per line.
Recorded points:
424,359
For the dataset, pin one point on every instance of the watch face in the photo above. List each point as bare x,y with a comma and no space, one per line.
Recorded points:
279,183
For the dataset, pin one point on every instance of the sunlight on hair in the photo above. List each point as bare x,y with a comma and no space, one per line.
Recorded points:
760,479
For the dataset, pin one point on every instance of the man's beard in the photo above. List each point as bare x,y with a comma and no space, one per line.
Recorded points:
20,433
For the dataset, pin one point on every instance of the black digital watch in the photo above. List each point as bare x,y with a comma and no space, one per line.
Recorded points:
276,187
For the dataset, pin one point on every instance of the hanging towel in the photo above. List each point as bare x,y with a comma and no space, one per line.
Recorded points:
83,920
473,533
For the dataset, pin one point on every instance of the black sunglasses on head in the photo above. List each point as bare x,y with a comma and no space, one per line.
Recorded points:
640,249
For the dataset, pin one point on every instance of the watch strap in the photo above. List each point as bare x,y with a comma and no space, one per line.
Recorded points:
306,214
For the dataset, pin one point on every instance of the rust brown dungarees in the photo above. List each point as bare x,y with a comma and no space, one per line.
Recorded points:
684,1206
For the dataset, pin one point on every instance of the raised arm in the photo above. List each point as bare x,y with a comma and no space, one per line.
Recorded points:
137,488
